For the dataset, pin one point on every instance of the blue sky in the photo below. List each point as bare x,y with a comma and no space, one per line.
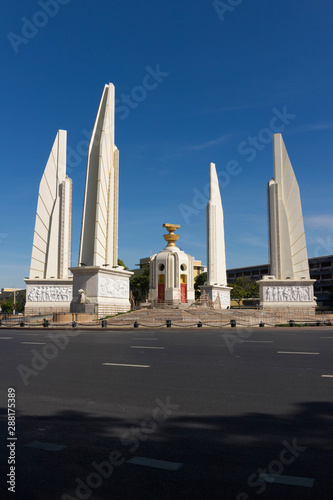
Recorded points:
224,72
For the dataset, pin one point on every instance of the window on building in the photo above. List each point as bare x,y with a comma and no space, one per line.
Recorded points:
314,265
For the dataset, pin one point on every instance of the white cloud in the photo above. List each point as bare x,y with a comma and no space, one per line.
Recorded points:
213,142
319,221
312,127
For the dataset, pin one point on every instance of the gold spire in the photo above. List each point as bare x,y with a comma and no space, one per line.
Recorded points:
171,238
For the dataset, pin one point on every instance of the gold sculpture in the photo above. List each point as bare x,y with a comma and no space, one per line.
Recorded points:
171,238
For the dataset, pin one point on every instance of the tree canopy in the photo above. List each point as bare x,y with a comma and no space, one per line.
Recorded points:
139,285
7,305
121,263
198,282
244,288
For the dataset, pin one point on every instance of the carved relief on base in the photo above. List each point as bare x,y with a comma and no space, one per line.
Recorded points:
50,294
114,288
224,297
288,293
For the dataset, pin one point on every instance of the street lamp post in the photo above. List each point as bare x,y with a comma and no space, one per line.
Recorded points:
14,308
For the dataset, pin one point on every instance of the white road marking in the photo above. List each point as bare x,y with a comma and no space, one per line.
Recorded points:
258,341
45,446
34,343
158,464
145,347
295,352
5,338
31,334
123,364
292,480
326,337
327,376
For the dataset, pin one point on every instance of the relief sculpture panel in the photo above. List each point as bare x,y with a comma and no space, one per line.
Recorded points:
114,287
288,294
224,297
50,294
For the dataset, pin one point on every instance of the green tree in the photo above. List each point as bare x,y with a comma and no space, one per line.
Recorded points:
244,288
7,306
198,282
121,263
139,285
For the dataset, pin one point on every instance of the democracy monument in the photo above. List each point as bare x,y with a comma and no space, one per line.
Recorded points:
99,285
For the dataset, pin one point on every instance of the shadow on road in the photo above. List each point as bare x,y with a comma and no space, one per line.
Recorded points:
219,453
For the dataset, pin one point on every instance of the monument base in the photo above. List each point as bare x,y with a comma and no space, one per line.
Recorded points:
276,293
101,290
48,295
172,296
218,294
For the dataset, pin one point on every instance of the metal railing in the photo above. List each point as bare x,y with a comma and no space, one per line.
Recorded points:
184,317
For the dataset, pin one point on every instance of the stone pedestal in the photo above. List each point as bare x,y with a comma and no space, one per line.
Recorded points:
276,293
102,290
218,294
48,295
172,296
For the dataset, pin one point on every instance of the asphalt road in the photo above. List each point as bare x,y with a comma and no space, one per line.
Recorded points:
168,414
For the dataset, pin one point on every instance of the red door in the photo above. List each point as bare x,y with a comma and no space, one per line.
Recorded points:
183,292
161,292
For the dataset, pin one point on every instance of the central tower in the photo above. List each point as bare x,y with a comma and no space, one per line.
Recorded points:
171,273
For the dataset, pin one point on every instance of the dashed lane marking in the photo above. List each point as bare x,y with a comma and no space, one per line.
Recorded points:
157,464
296,352
34,343
257,341
292,480
45,446
124,364
145,347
